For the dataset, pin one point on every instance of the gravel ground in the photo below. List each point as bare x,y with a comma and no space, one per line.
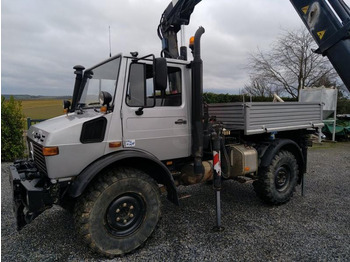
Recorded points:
315,227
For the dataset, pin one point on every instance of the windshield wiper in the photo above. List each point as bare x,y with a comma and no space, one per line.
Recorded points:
79,108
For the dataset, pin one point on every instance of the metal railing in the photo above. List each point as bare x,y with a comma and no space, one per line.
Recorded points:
33,121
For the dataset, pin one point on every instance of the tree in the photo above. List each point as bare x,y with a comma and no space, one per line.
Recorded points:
289,66
12,126
343,92
259,86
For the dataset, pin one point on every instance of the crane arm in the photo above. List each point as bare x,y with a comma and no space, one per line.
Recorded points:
329,24
177,13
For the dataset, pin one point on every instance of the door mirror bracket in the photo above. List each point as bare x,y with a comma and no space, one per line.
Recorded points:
139,111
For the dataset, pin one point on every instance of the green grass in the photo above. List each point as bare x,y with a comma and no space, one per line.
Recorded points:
324,144
42,109
330,145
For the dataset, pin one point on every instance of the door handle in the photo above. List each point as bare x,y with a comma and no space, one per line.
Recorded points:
180,122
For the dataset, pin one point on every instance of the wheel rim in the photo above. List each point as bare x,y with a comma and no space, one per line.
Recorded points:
125,214
282,178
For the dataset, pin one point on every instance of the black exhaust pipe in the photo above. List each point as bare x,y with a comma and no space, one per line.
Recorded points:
197,103
79,76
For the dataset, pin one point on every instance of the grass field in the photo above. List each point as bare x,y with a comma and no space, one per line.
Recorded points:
42,109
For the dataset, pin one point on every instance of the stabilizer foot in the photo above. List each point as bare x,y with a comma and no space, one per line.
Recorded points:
218,229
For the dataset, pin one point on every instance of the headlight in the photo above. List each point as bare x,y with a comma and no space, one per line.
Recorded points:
105,98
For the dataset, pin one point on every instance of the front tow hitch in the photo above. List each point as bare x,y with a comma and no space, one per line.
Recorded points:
31,194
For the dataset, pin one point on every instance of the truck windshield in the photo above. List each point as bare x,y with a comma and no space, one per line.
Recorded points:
102,77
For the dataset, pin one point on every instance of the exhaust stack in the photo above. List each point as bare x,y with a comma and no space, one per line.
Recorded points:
197,103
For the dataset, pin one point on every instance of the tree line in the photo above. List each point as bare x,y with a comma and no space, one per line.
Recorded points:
343,105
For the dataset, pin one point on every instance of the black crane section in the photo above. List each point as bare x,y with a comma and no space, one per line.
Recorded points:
170,24
329,24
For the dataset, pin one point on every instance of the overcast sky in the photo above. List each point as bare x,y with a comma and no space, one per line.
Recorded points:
42,40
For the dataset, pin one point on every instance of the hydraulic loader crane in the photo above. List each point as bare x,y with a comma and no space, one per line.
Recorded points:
327,21
174,17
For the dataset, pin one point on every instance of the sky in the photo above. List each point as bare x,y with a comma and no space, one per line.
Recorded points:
42,40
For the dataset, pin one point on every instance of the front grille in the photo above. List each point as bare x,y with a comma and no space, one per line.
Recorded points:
39,158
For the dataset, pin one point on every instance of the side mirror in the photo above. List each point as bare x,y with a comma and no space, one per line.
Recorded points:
160,73
66,104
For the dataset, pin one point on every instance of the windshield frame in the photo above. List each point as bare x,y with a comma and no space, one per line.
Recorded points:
87,75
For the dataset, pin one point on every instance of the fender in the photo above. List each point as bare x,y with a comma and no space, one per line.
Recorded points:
285,144
130,157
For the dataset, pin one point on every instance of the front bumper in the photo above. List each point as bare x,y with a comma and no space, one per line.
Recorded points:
31,192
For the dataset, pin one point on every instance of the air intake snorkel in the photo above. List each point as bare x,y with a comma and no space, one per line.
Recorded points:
78,79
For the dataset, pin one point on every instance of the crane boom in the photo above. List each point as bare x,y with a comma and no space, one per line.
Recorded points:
328,21
177,13
329,24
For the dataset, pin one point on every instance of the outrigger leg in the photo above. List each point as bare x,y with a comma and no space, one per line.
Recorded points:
216,137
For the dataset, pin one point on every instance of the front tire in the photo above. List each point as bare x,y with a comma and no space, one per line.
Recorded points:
276,184
118,212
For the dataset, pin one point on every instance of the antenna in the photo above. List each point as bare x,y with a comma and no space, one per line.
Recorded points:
110,48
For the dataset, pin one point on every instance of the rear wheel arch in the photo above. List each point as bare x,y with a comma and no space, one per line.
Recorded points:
284,145
276,183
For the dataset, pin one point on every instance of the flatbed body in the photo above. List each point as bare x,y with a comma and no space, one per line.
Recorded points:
266,117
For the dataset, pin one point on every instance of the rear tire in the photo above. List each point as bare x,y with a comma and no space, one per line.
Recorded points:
276,184
118,212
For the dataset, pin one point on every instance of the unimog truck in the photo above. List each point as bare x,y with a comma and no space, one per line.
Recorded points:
138,124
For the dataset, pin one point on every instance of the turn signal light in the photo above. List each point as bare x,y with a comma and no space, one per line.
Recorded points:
50,151
191,41
115,144
103,109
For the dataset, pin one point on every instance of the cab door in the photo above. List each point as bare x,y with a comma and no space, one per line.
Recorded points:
156,121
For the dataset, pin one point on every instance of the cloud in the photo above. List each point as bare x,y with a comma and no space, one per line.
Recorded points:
42,40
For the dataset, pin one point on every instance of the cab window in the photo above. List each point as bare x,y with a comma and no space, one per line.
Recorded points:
141,93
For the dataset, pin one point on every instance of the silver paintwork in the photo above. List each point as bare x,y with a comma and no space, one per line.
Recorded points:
266,117
155,131
64,132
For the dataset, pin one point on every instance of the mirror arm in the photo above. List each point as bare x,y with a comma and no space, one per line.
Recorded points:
139,111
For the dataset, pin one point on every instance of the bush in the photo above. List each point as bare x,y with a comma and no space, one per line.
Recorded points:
343,106
12,126
212,98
